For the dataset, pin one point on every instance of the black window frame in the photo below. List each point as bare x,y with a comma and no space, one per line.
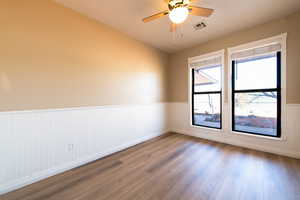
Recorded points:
201,93
277,89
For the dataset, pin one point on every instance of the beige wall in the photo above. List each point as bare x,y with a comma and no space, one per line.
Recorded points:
178,78
52,57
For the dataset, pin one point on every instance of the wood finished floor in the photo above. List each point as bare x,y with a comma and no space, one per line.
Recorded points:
174,167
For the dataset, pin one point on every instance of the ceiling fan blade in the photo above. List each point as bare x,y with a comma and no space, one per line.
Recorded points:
156,16
173,27
199,11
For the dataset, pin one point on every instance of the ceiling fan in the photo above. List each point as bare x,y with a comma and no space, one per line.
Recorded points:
179,11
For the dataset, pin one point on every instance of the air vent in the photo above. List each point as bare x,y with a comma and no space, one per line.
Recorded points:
199,26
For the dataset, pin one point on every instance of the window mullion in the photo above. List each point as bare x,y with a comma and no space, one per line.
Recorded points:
210,92
257,90
278,55
193,91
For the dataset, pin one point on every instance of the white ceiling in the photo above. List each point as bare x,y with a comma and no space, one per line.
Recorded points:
229,16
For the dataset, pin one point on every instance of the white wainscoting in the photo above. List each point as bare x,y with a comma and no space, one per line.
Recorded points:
178,120
41,143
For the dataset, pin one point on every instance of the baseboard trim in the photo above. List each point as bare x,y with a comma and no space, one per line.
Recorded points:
292,154
5,188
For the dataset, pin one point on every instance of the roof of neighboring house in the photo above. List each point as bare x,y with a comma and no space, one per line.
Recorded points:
203,79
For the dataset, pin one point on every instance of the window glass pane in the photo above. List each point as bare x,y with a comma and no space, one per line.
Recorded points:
207,79
256,113
259,73
207,110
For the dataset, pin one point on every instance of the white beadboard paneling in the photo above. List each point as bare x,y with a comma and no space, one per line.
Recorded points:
41,143
178,121
38,144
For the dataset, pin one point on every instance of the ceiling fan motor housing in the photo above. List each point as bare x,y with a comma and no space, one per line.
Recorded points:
178,3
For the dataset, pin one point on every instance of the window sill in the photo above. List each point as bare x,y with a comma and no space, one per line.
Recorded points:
260,136
215,130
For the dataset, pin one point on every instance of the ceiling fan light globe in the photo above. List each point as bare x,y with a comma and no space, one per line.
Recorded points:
179,15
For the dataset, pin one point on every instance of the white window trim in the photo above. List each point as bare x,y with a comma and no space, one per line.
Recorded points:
220,53
282,38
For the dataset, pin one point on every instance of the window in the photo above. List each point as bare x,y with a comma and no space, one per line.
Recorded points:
256,91
206,92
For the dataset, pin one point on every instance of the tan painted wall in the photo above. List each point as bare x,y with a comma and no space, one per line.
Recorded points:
53,57
178,78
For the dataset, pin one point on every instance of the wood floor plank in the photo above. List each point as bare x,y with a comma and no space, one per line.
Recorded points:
174,167
153,177
119,178
137,174
181,173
